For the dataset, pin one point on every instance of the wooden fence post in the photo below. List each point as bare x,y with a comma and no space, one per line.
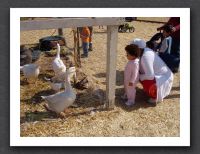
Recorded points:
60,31
77,58
78,48
112,37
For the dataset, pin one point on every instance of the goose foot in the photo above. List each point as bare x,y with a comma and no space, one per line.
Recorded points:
26,80
62,115
67,112
47,108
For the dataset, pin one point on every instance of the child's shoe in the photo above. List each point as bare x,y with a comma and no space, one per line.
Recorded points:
84,55
129,103
124,97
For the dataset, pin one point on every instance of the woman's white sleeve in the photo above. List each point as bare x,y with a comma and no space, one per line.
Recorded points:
147,64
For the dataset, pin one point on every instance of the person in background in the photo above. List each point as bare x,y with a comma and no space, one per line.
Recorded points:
155,77
85,37
175,23
167,41
175,34
101,27
131,73
150,45
166,51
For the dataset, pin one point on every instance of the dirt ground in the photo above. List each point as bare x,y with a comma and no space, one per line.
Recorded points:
141,120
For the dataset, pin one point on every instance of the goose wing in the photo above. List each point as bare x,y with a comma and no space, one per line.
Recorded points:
58,65
59,101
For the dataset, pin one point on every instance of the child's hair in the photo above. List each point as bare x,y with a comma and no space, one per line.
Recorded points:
168,28
133,50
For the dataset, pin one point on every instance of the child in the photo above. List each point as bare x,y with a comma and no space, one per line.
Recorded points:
131,73
166,50
85,37
167,42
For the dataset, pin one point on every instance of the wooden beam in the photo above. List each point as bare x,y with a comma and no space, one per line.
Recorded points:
57,23
112,37
151,21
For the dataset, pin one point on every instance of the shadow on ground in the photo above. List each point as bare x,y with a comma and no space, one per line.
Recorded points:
85,103
140,100
119,77
37,116
36,99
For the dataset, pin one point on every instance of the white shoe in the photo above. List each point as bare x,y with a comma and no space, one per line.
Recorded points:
124,97
129,103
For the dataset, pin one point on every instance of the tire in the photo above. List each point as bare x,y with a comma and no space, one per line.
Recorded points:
132,29
124,30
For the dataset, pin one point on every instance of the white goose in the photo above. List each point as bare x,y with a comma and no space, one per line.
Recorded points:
60,101
72,73
56,86
30,71
57,82
57,64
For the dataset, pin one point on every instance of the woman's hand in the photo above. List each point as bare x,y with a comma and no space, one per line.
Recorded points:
173,29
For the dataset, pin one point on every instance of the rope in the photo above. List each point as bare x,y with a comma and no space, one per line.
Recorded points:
54,32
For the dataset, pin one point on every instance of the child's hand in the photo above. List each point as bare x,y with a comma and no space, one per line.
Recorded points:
130,84
173,29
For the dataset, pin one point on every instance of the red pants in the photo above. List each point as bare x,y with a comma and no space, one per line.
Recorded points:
150,88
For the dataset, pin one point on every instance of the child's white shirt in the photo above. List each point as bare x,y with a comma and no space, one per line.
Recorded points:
131,75
166,45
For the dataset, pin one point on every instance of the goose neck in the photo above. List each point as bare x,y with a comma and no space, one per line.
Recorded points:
58,52
68,86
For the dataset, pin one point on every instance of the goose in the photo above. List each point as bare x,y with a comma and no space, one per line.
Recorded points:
30,71
72,73
57,64
60,101
25,55
57,82
56,86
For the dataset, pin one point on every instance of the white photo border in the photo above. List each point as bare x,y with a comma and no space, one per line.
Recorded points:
16,140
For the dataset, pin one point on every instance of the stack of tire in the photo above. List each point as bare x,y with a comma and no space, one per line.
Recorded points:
28,55
25,55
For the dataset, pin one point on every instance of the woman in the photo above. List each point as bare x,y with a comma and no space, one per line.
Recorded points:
155,77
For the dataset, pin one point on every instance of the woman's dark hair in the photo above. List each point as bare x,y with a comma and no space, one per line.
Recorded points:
133,50
150,45
168,28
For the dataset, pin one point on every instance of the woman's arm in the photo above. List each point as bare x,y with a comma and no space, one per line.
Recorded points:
147,65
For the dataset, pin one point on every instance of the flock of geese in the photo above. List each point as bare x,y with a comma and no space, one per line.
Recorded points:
59,101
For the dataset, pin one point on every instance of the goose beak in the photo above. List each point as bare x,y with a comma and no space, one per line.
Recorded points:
38,66
43,97
58,46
